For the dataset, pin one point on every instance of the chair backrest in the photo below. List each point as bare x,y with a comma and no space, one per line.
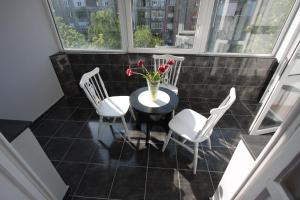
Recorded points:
171,76
93,86
216,114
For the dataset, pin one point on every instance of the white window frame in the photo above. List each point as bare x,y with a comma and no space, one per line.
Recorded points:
201,33
203,24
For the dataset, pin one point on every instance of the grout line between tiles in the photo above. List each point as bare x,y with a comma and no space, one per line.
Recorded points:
50,138
178,179
208,170
148,147
84,172
88,197
62,160
63,157
112,184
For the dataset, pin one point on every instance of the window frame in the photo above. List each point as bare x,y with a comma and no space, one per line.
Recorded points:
203,25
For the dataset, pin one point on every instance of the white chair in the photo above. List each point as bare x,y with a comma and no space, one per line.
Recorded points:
106,107
170,78
196,128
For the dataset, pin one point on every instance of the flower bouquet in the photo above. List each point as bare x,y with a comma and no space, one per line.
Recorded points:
153,77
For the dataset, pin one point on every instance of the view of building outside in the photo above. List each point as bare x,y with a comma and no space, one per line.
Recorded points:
248,26
169,23
238,26
87,24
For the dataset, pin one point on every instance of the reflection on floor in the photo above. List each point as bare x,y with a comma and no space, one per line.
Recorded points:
108,168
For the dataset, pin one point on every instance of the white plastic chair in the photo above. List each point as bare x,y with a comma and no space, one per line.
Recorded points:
196,128
106,107
170,78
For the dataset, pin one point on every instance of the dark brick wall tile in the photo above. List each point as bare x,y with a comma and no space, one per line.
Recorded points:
205,77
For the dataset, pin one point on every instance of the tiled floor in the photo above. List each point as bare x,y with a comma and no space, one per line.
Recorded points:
109,168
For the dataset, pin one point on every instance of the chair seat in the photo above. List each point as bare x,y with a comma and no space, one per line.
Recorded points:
187,123
115,106
170,87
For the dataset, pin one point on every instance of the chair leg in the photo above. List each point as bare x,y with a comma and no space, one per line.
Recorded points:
100,125
195,157
167,140
125,127
209,143
132,113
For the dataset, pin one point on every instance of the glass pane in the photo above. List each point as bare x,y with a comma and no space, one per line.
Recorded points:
283,104
248,26
164,23
264,195
87,24
290,179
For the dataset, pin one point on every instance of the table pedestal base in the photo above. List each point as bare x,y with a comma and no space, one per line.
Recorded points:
152,119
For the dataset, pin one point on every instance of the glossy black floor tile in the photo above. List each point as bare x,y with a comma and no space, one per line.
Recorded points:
57,148
182,105
69,129
47,128
55,163
245,121
89,130
60,113
162,184
105,167
134,155
228,121
216,138
71,174
81,150
69,102
94,116
216,178
166,159
107,154
85,103
198,99
195,186
185,159
239,109
129,183
81,114
86,198
43,140
253,108
200,107
107,134
217,158
97,181
232,136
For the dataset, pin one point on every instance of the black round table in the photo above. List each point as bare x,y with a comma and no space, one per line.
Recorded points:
153,115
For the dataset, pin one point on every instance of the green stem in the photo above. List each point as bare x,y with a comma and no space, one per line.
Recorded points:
145,69
139,74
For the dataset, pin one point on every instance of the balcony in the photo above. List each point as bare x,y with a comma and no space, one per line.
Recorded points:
55,145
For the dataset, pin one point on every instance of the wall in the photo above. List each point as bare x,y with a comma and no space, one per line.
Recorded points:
209,77
28,83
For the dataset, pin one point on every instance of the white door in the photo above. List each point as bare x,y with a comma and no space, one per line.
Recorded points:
278,175
284,93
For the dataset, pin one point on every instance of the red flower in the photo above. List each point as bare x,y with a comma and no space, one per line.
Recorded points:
140,63
129,72
171,61
162,68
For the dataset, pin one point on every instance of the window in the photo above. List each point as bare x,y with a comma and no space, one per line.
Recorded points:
172,2
248,26
91,27
165,31
173,26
